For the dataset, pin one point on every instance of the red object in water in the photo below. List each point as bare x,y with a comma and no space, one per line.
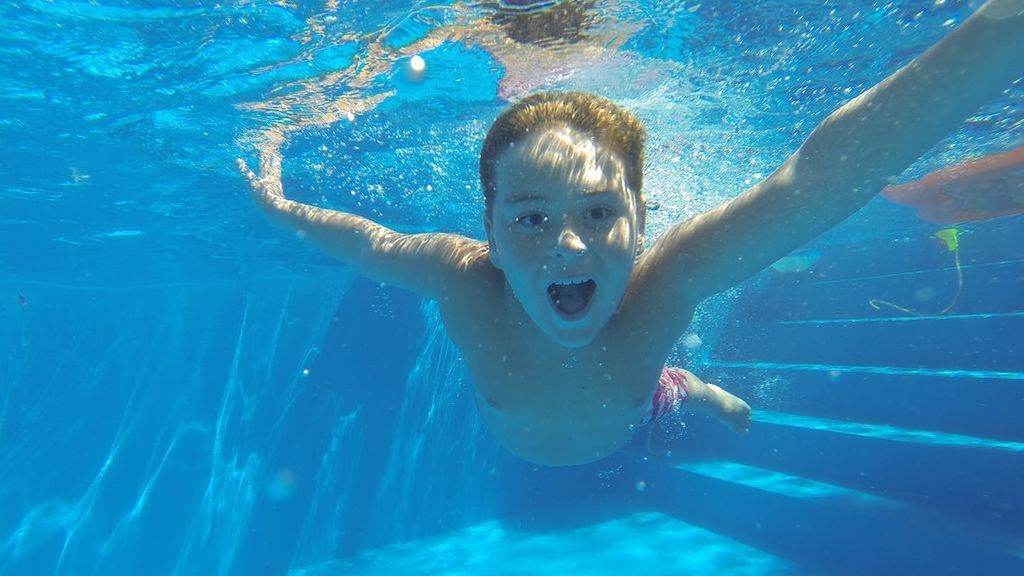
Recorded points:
989,187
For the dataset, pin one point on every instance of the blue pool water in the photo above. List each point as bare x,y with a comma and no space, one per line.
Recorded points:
186,390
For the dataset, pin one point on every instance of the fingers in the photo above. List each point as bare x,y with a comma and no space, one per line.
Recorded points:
262,188
246,172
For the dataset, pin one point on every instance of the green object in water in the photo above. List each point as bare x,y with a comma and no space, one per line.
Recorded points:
949,238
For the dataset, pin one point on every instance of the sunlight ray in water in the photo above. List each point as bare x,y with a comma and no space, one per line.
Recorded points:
887,370
909,318
784,484
642,543
885,432
917,272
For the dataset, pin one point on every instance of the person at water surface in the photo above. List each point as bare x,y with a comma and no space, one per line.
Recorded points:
564,319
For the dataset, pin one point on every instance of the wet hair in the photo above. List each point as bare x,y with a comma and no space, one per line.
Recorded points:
600,118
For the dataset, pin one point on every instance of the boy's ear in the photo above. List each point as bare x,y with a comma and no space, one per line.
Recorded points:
492,250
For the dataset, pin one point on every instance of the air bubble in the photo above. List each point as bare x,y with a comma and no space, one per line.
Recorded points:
692,341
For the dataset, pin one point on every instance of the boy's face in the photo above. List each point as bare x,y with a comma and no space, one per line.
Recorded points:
563,229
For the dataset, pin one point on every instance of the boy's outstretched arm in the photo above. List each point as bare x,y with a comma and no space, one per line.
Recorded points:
428,264
846,160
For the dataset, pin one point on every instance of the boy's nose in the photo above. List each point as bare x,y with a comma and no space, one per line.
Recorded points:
570,244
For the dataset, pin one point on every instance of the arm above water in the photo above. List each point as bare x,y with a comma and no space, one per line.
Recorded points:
428,264
846,160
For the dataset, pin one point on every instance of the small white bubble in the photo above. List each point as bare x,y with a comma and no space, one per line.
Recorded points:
641,486
417,64
692,341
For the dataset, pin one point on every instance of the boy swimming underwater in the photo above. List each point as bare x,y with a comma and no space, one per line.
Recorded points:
564,320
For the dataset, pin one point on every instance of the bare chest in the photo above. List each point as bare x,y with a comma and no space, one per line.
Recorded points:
519,382
554,405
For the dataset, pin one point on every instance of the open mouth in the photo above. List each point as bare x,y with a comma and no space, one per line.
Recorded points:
571,298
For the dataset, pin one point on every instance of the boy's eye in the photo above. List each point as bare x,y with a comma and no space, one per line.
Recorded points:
531,219
599,213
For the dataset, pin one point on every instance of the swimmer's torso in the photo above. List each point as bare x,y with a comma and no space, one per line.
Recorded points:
546,403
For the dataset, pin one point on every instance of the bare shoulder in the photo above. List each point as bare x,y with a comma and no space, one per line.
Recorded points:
471,273
657,307
469,256
472,303
430,264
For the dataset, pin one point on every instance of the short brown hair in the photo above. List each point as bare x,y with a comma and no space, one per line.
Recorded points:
605,121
